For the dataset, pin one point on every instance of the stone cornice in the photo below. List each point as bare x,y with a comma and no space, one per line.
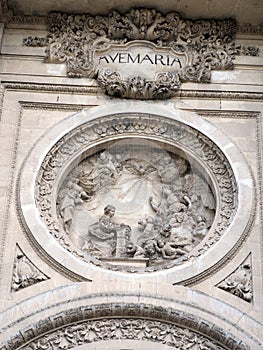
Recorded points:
181,93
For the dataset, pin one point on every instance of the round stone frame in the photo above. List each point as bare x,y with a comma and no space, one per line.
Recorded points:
224,164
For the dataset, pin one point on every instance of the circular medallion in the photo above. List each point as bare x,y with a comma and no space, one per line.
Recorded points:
135,192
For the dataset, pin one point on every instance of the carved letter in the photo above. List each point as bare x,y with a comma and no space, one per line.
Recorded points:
147,58
133,60
103,58
122,58
114,58
159,58
176,60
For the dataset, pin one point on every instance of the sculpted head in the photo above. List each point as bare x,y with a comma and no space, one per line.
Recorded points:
109,210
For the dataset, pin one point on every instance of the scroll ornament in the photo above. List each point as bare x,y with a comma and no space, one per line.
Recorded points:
74,39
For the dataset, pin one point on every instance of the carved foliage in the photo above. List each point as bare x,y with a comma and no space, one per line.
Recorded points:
208,44
177,133
25,273
180,330
123,321
35,41
165,85
124,328
239,282
73,39
149,24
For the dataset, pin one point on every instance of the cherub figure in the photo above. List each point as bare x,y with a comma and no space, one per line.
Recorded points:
168,250
134,251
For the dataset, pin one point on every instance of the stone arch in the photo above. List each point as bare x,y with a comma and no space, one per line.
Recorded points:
100,318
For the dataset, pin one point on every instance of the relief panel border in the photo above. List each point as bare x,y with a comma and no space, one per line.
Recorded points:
247,173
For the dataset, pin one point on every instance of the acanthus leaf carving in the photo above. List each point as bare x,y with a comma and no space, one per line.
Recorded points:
164,86
207,44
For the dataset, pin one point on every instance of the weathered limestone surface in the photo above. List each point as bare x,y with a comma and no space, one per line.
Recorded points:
212,286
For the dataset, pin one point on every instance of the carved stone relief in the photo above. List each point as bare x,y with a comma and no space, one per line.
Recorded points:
106,322
239,282
164,207
123,328
25,273
77,39
170,199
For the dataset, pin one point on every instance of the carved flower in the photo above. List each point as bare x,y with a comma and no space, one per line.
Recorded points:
56,162
219,168
209,155
130,329
225,182
52,224
81,137
66,338
227,197
120,125
226,213
44,205
140,127
105,329
83,333
120,128
43,343
184,339
159,129
48,175
220,228
156,331
101,130
68,148
44,189
177,133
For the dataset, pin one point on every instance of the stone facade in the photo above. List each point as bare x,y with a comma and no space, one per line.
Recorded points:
131,197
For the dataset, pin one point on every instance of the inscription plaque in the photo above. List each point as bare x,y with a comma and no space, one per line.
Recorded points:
139,58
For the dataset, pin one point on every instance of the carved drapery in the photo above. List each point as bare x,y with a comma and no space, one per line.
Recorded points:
150,126
207,44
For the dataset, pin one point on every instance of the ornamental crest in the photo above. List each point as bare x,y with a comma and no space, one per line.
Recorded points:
142,54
